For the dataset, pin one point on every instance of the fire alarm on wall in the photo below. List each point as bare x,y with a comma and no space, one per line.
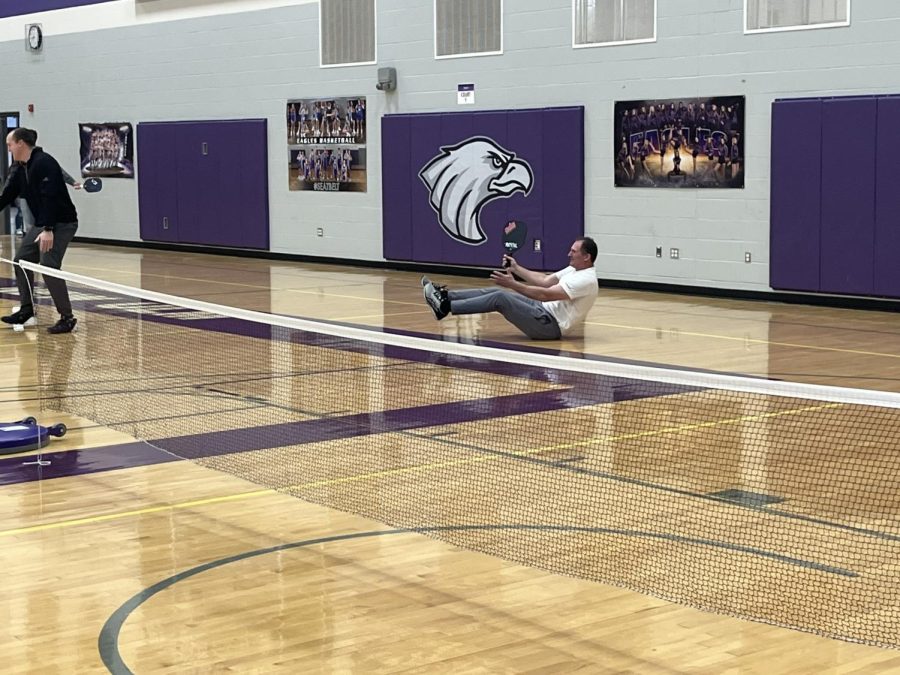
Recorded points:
31,107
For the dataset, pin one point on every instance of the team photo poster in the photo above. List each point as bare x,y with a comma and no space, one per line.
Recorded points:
332,168
107,150
326,144
685,142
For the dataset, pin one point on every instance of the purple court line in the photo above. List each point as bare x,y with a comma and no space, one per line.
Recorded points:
22,469
195,446
365,424
580,390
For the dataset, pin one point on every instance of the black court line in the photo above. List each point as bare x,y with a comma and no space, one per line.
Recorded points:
568,467
108,640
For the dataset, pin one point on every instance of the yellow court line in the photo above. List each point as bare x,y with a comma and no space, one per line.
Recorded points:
219,282
689,427
262,288
748,339
394,472
534,451
350,297
136,512
376,316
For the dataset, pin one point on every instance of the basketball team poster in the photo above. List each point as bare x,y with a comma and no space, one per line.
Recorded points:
678,143
326,144
107,150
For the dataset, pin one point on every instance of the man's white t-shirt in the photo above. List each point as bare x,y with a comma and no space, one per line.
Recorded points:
581,287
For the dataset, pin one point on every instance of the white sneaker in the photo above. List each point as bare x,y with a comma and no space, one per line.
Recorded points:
20,327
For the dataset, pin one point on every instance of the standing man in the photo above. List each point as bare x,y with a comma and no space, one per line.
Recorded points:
42,185
543,306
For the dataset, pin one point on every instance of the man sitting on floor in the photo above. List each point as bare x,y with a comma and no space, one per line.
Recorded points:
543,306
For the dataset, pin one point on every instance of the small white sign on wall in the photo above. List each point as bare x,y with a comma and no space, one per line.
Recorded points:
465,94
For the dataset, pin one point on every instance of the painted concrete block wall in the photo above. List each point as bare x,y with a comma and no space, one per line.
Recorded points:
247,64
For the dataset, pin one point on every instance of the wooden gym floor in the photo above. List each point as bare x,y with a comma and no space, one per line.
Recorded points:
177,567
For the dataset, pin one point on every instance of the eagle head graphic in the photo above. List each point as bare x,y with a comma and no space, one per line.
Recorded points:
465,177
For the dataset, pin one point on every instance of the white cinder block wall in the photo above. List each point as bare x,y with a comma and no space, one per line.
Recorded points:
147,60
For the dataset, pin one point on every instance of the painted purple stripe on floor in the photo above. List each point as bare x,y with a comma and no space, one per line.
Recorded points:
364,424
583,389
403,419
81,462
195,446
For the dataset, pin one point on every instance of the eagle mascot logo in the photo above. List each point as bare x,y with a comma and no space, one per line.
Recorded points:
465,177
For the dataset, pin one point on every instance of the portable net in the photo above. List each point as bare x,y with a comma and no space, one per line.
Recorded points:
771,501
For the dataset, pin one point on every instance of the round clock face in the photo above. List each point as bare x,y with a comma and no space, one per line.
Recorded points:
34,37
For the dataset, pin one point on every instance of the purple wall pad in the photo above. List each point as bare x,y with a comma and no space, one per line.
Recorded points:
563,154
887,199
18,7
157,178
238,219
450,206
850,216
795,202
395,189
848,195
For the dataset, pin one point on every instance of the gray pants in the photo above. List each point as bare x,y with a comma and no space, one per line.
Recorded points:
528,315
29,251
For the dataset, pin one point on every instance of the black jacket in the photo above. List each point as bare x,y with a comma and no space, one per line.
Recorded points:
41,183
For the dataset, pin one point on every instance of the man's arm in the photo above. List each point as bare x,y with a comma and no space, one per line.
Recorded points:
544,294
532,278
12,188
69,180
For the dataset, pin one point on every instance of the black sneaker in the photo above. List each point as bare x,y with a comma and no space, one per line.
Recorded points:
66,324
19,318
437,298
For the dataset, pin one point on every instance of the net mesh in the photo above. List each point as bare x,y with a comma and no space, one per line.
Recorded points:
769,501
